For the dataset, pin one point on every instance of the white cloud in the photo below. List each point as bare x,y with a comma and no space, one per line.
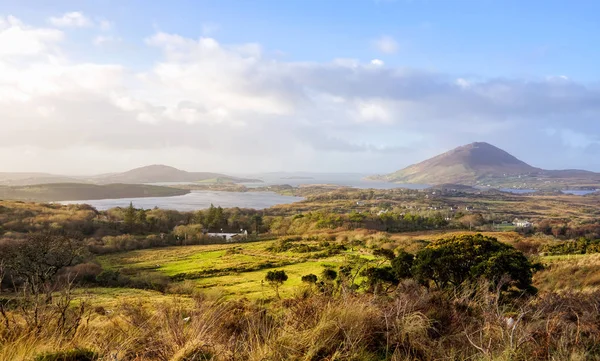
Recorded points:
17,38
74,19
377,62
463,83
207,105
386,44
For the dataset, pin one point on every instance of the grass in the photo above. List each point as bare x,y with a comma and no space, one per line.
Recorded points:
238,270
234,270
230,270
569,273
251,285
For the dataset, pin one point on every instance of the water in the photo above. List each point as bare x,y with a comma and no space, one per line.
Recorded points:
196,200
356,180
577,192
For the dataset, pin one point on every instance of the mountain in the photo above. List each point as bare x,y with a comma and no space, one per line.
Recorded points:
163,173
486,165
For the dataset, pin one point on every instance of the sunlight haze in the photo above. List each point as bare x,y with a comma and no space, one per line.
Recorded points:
256,86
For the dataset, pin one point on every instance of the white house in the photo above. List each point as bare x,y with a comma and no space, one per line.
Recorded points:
522,223
230,237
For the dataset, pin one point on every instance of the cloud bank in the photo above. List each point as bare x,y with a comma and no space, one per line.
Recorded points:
205,105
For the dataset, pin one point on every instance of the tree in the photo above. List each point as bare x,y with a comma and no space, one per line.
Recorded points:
257,221
376,276
402,265
129,217
38,258
276,279
141,219
356,219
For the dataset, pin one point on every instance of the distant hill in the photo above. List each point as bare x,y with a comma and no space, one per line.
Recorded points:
9,179
80,191
163,173
482,164
148,174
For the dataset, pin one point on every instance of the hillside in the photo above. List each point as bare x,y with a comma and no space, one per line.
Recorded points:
22,179
483,164
80,191
148,174
163,173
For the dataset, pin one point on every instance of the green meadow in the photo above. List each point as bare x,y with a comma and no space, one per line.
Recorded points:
229,270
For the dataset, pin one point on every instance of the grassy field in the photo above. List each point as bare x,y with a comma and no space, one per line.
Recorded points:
228,270
569,273
239,269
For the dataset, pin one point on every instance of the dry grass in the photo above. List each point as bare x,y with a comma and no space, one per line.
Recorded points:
413,324
569,272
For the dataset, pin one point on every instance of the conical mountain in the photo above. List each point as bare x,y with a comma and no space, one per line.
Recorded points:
467,164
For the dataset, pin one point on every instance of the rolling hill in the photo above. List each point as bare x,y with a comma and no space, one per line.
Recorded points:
163,173
482,164
22,179
148,174
81,191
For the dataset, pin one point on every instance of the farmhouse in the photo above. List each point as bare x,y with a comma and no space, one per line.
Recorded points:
230,237
522,223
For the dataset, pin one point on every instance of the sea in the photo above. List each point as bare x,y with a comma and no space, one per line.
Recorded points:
202,199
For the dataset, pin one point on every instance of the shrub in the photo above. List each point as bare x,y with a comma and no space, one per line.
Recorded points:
402,264
452,262
328,275
276,279
70,355
309,278
108,278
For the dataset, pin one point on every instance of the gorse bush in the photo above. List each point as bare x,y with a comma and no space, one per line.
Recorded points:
456,262
579,246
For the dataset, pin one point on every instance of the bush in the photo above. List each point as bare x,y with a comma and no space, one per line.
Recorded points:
109,278
455,261
70,355
309,278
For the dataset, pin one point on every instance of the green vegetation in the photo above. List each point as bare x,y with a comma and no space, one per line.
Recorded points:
344,275
580,246
276,279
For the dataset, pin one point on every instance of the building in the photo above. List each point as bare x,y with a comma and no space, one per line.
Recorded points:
230,237
522,223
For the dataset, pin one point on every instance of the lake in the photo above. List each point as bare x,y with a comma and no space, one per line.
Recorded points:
577,192
196,200
354,180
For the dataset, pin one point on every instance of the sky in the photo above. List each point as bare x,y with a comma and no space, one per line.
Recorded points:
367,86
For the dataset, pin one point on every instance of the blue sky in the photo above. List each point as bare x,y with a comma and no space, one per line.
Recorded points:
483,37
297,85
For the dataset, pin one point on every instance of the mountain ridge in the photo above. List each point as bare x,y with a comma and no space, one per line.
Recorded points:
483,164
156,173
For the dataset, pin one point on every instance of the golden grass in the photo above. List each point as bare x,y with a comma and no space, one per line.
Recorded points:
569,273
